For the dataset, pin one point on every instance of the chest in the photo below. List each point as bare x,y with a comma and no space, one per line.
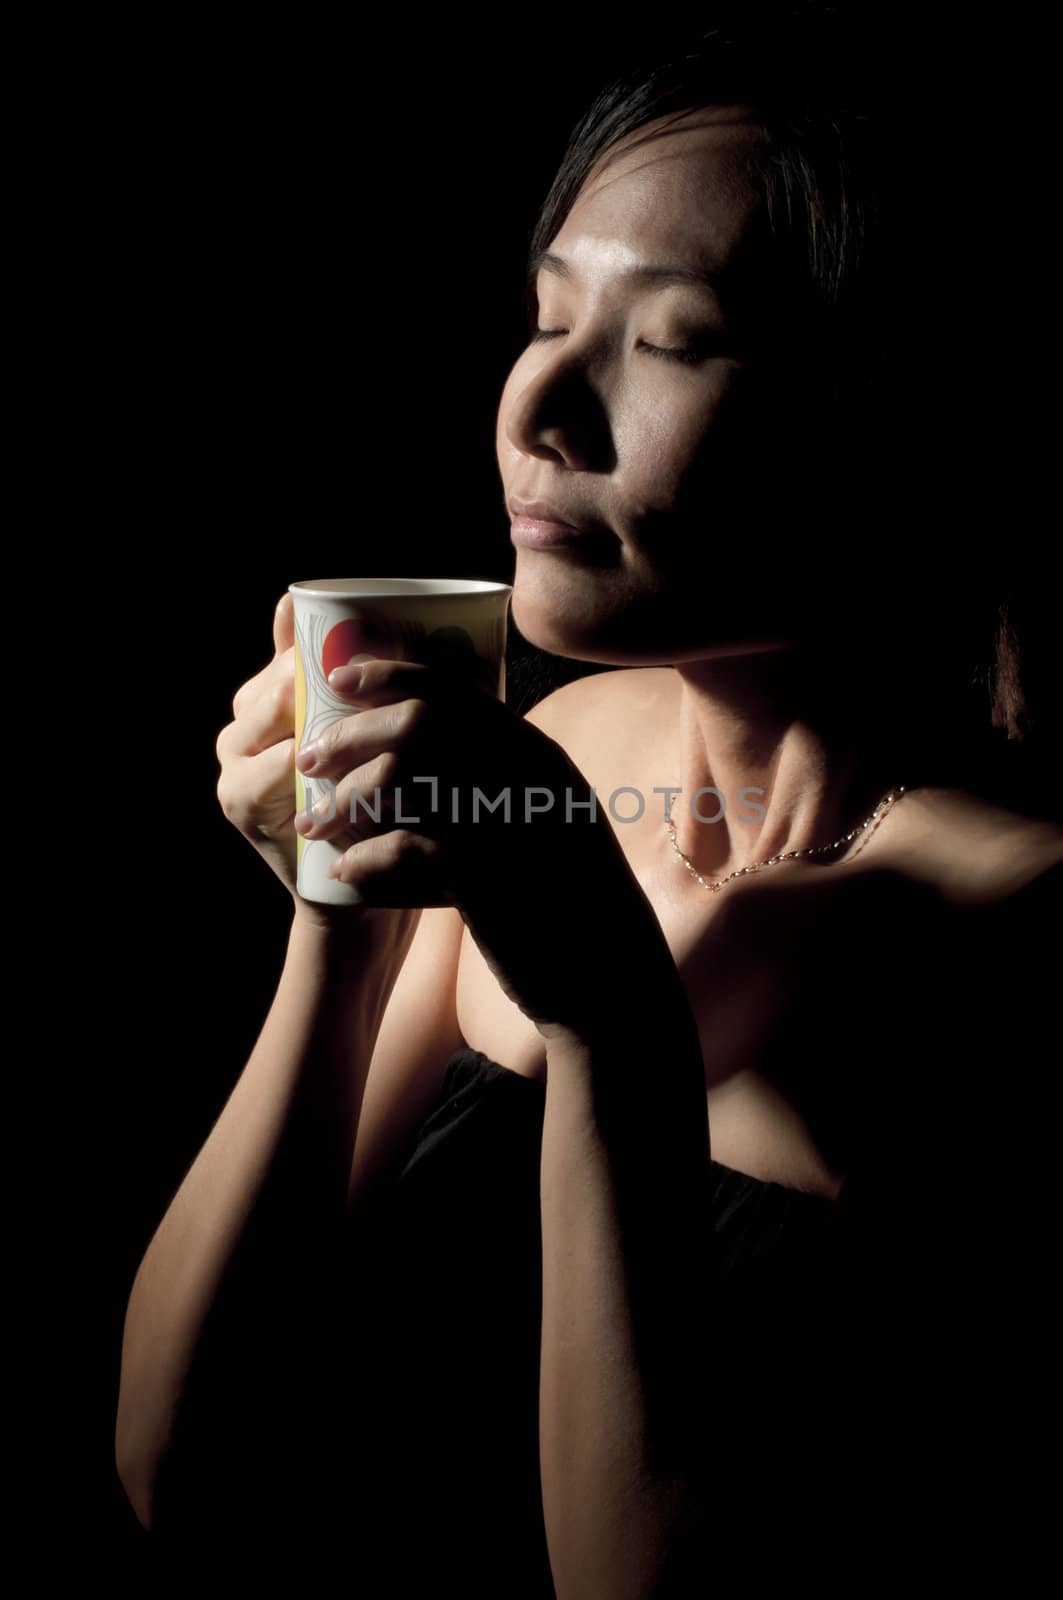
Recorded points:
756,1127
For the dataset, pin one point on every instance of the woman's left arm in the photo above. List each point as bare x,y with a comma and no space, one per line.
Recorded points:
626,1169
625,1351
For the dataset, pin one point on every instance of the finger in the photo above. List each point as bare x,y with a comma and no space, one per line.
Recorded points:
284,624
377,681
397,868
362,804
280,666
351,741
264,718
260,789
269,776
283,646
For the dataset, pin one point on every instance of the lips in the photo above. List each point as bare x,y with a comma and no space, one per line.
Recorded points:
543,511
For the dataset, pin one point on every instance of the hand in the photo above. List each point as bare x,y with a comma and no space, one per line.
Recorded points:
256,751
533,885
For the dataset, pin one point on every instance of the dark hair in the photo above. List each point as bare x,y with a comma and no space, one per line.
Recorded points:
852,190
803,88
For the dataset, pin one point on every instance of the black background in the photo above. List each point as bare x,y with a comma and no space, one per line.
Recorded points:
282,292
299,291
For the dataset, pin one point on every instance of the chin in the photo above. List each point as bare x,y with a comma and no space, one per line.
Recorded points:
567,620
562,620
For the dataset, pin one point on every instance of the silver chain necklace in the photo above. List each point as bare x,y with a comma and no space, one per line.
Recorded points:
884,806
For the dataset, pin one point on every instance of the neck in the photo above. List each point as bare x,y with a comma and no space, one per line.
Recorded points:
766,732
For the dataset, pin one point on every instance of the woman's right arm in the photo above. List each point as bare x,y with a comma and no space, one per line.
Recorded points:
256,1225
269,1186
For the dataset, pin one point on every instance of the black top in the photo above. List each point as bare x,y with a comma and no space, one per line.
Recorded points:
452,1341
878,1358
881,1361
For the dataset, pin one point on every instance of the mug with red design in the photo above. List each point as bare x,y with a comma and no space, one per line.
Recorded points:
451,622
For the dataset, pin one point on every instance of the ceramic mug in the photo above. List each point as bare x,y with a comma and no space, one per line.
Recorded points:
457,623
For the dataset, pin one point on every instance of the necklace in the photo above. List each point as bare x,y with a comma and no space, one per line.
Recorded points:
884,806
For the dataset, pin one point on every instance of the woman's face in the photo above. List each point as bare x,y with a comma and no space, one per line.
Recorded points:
673,457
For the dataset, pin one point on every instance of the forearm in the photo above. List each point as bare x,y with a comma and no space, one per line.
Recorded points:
625,1347
268,1189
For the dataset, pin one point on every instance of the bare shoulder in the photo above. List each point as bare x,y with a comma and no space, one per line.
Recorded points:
620,688
975,851
604,714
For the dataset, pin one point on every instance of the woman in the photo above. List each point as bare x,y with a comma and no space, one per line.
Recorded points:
605,1171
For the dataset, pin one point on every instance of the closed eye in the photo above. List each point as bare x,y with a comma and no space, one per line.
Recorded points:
690,355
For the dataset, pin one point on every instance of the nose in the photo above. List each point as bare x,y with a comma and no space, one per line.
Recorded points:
555,415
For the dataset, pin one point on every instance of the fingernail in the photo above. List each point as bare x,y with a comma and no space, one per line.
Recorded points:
348,679
307,756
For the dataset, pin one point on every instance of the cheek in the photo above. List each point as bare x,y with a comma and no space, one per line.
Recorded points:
667,443
726,449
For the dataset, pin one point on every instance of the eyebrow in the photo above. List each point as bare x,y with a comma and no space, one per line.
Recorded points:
651,276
